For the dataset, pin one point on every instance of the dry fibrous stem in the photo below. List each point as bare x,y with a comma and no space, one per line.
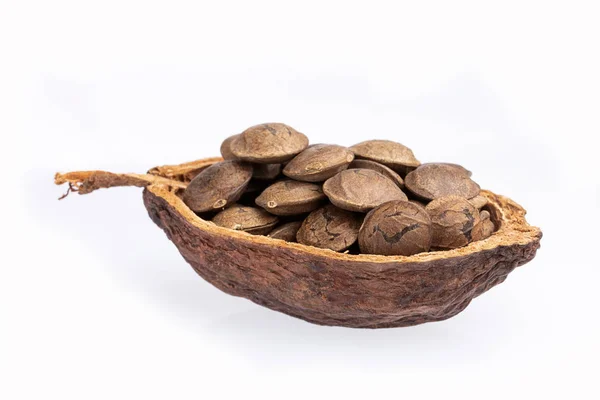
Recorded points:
396,228
392,154
268,143
431,181
218,186
290,197
330,228
361,190
248,219
455,222
318,163
286,231
378,167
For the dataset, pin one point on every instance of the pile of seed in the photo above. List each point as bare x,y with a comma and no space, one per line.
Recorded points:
374,197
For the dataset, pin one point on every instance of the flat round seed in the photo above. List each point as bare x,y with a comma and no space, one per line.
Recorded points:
437,180
392,154
268,143
396,228
485,230
318,163
248,219
291,197
286,231
361,190
378,167
458,168
217,186
479,201
454,221
226,148
266,172
330,227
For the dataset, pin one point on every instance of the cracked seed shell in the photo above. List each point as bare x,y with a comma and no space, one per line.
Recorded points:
330,227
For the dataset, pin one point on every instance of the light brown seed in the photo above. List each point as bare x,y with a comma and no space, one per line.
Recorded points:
330,227
378,167
318,163
361,190
392,154
286,231
458,168
217,186
396,228
268,143
454,221
291,197
437,180
226,148
248,219
479,201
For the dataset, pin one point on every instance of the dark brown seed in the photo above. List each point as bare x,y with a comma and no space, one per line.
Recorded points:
396,228
330,227
226,148
458,168
266,172
438,180
395,155
291,197
248,219
479,201
318,163
378,167
286,231
217,186
268,143
454,220
361,190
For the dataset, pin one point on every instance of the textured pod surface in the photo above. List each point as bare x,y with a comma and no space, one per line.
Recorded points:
328,288
318,163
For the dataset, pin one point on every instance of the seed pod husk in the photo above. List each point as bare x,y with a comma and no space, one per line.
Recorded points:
392,154
266,172
330,227
268,143
248,219
361,190
396,228
454,221
217,186
286,231
291,197
226,148
378,167
318,163
432,181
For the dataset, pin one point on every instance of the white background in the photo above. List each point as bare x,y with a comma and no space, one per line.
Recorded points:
96,303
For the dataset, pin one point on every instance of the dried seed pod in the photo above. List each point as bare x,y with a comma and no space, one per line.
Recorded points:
291,197
286,231
458,168
318,163
217,186
248,219
226,148
392,154
361,189
378,167
266,172
330,227
396,228
454,220
268,143
479,201
431,181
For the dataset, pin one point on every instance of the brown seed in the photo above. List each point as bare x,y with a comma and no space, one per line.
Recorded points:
378,167
286,231
217,186
266,172
479,201
458,168
438,180
454,220
226,148
248,219
485,214
318,163
330,227
485,230
392,154
291,197
268,143
396,228
361,190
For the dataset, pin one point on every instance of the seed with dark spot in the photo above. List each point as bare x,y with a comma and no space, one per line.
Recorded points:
291,197
331,228
454,221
